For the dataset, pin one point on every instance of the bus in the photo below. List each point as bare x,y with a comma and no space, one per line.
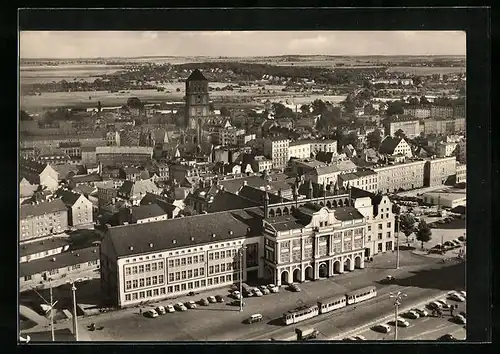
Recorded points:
300,314
362,294
332,303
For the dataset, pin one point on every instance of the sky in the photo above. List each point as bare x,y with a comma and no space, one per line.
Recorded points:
94,44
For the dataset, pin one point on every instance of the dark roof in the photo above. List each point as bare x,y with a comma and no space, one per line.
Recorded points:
147,211
88,149
257,195
62,260
282,223
324,156
30,210
161,235
459,209
69,144
196,75
86,178
68,197
347,213
367,172
40,246
389,144
224,201
131,170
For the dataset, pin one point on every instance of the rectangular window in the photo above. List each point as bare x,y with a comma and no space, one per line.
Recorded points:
141,269
388,235
149,293
211,270
127,297
202,271
228,278
203,283
222,278
148,268
389,224
209,281
141,295
183,261
177,288
135,284
134,270
128,271
156,292
170,263
148,281
380,226
190,273
177,276
170,277
128,285
233,253
134,296
154,267
183,286
190,260
222,267
160,265
197,284
216,255
195,259
183,275
210,256
202,258
170,289
141,282
160,279
195,272
190,285
216,280
162,290
217,269
177,262
379,235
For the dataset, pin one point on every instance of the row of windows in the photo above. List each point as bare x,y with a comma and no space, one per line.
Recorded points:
222,254
186,274
145,294
139,283
220,268
144,268
186,260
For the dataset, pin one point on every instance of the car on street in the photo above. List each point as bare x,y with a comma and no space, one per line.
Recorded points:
382,328
462,313
257,292
264,290
463,293
151,313
180,307
254,318
212,299
456,297
190,304
170,308
388,279
460,319
161,310
236,295
449,244
273,288
219,298
435,305
401,322
411,315
421,312
236,303
294,287
456,242
443,303
447,338
203,302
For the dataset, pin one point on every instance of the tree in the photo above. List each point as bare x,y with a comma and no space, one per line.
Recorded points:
395,107
424,232
407,225
305,108
417,80
352,138
225,112
24,116
400,134
424,100
318,106
134,102
374,139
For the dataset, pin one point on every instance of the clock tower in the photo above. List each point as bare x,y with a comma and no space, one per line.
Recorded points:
197,103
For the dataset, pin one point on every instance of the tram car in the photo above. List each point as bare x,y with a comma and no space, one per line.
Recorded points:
306,312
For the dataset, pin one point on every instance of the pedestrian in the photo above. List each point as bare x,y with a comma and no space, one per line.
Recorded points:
140,311
451,310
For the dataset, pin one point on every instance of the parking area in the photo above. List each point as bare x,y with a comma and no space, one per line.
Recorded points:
423,328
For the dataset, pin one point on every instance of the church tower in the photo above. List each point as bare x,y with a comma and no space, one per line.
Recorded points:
197,103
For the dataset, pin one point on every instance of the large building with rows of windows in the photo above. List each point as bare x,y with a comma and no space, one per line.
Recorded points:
290,241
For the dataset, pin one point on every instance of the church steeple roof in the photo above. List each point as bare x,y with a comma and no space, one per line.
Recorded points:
196,75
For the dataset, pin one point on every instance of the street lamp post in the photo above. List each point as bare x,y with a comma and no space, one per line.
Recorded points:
51,312
240,254
398,223
75,324
398,297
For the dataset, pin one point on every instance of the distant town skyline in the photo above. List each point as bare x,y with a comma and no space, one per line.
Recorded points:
129,44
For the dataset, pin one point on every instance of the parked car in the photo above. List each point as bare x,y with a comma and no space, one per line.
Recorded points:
254,318
461,238
421,312
180,307
161,310
382,328
411,315
456,242
236,303
264,290
170,308
449,244
463,293
212,299
456,297
462,313
388,279
402,322
203,302
443,303
435,305
151,313
236,295
274,288
257,292
294,287
447,338
190,305
219,298
460,319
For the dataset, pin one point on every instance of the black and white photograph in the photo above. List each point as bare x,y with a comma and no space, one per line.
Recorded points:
242,186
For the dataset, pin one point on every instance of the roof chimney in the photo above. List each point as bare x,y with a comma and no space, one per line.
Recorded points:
213,235
192,238
174,241
150,245
131,248
230,232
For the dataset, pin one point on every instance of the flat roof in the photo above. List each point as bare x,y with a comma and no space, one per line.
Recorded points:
44,245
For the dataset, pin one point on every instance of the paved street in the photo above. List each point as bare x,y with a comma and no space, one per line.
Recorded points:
420,277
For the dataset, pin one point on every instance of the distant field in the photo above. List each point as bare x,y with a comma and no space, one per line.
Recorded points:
42,74
427,71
